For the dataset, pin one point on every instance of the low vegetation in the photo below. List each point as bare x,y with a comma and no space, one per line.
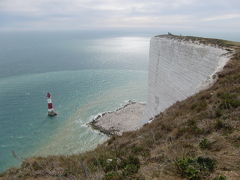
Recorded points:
220,178
205,144
196,139
195,168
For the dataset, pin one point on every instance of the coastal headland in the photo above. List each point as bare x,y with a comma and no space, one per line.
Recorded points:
194,138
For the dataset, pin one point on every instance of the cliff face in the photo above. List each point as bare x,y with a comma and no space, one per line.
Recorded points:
178,69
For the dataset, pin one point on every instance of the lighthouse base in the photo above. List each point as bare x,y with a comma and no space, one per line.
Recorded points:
52,113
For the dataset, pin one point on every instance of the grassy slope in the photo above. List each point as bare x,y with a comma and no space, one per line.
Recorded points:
198,138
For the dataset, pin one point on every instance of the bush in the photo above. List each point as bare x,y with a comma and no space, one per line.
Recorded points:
112,176
190,128
193,128
140,150
236,141
220,178
130,169
199,106
108,164
187,168
221,125
130,165
137,149
206,164
219,112
228,100
118,168
195,168
204,144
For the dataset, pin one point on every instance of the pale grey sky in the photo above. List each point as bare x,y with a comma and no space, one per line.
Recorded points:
206,15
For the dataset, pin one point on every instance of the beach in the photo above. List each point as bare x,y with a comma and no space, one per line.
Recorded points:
127,118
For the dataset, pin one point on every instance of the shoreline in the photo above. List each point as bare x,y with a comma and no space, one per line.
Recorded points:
123,119
112,127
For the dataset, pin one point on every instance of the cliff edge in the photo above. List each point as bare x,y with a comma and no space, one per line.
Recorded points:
179,68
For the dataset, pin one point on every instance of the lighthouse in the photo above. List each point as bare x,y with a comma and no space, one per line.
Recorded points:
51,111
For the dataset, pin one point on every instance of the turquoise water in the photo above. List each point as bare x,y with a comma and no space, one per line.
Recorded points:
86,75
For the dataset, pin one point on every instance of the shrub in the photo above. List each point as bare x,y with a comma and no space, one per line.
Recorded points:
236,141
130,169
228,100
195,168
187,168
219,112
199,106
140,150
202,105
193,128
111,165
36,166
190,130
181,131
117,168
204,144
130,166
137,149
113,175
220,178
108,164
206,164
221,125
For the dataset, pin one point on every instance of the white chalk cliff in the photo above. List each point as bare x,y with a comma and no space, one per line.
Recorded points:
177,70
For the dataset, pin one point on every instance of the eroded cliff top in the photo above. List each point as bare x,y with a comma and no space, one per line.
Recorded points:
229,45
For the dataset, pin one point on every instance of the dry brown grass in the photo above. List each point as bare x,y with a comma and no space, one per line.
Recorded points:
212,114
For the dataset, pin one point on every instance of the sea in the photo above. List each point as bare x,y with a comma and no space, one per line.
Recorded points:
87,73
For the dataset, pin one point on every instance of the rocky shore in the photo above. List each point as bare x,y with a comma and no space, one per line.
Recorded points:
126,118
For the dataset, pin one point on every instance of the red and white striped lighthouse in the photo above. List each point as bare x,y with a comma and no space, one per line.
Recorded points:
51,111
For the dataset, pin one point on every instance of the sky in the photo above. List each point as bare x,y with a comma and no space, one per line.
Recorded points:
198,15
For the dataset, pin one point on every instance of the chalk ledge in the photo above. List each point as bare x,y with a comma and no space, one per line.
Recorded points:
126,118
